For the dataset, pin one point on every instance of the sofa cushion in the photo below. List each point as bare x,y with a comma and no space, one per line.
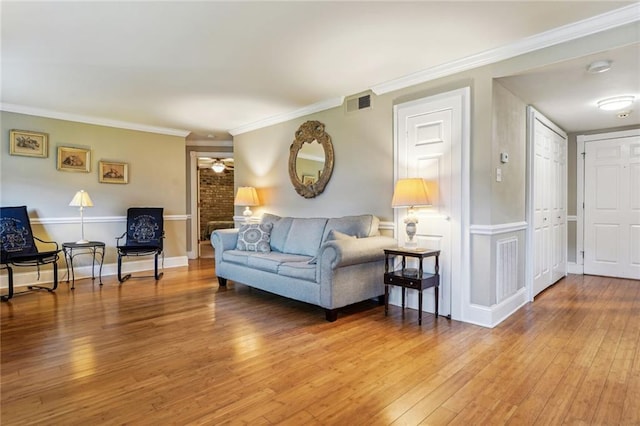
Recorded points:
279,233
254,237
305,236
271,261
263,261
365,225
302,270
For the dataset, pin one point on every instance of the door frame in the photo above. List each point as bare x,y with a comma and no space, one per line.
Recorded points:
194,209
532,115
581,140
460,292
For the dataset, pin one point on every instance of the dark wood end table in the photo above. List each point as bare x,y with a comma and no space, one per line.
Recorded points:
405,277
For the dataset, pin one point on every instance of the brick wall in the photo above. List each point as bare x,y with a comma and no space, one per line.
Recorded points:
216,198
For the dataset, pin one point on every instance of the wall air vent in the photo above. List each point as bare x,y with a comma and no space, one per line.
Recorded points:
358,102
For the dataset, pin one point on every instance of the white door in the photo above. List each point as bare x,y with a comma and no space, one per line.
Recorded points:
612,207
549,202
559,208
429,146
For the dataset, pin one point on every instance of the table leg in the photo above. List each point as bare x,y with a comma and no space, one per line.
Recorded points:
93,263
419,307
101,263
73,274
386,300
66,261
437,298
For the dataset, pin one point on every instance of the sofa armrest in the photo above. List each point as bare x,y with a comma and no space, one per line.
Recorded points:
223,239
337,253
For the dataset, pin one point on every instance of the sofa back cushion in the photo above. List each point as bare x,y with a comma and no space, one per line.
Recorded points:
362,226
305,236
295,235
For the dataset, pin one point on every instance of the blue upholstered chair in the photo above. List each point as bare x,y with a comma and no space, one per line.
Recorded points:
19,247
143,237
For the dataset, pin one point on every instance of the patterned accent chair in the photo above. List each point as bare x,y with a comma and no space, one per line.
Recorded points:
143,237
19,247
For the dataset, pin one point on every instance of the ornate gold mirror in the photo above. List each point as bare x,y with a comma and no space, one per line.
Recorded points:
310,159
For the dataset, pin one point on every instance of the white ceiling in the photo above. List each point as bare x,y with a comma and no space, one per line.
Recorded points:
569,94
211,67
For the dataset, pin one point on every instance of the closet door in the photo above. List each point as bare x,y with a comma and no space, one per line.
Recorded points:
549,202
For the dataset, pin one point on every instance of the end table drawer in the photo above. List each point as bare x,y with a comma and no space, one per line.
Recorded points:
402,281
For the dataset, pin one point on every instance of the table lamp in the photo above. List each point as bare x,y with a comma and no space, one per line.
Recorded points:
248,197
410,192
82,200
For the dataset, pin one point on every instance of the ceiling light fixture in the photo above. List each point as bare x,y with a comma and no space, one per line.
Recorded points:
218,166
598,67
616,103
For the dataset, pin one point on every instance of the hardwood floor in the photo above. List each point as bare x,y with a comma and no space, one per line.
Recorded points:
185,351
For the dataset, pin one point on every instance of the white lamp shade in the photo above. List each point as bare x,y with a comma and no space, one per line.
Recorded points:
246,196
410,192
81,199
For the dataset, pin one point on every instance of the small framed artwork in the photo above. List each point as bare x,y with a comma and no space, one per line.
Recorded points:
308,180
74,159
27,143
113,172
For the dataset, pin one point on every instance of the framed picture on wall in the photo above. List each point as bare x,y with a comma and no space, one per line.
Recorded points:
113,172
74,159
29,144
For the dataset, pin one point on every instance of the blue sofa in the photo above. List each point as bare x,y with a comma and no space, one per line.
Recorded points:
328,262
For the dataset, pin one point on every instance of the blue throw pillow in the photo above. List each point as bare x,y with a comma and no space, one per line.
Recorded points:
254,237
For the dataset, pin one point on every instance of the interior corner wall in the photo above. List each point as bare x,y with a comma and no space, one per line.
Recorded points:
156,179
362,179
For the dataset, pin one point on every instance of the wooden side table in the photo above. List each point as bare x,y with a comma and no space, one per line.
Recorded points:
413,278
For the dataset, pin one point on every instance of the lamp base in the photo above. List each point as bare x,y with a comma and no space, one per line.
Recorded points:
247,212
82,242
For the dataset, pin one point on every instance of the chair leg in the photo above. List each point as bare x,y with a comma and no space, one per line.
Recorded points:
10,279
120,277
55,281
55,276
155,271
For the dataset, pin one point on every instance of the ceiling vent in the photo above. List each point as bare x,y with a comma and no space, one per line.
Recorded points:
359,102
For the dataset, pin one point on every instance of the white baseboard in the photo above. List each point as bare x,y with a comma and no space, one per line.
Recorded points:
46,273
574,268
491,316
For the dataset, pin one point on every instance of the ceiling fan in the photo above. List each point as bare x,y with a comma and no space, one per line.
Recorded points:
218,165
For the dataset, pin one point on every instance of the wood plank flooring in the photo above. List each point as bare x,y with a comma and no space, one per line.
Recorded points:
185,351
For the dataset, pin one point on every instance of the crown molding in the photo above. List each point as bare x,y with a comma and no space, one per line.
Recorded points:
281,118
39,112
586,27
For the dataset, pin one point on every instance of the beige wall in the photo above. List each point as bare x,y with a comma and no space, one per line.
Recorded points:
363,142
156,179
